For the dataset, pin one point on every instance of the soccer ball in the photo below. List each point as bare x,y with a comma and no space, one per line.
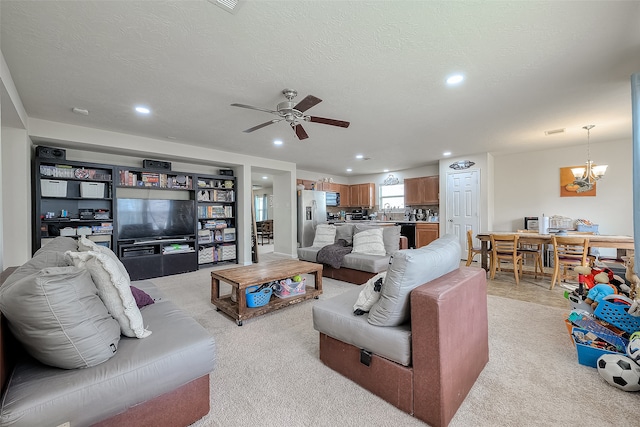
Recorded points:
633,349
619,371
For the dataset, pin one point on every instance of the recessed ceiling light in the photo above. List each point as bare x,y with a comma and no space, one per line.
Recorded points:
446,153
143,110
277,142
359,156
385,170
265,177
455,79
349,169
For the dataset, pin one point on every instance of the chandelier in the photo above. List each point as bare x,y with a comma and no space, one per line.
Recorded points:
587,176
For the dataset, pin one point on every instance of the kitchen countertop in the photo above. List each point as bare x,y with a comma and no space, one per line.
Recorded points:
379,222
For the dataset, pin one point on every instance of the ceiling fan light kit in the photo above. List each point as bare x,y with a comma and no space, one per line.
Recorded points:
293,114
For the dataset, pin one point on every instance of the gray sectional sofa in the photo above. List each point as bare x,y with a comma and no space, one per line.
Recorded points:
356,267
160,380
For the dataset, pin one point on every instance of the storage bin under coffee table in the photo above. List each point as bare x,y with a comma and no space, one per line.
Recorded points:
257,274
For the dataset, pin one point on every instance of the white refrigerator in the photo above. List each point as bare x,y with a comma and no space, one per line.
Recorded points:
312,210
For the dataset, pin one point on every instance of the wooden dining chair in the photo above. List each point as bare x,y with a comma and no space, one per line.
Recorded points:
266,231
568,251
504,248
471,250
533,250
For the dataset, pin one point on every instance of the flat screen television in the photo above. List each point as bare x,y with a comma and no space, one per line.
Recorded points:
155,219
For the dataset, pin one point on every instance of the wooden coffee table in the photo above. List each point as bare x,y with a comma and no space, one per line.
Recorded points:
242,277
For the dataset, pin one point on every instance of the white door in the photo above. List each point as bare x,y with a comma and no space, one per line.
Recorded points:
463,205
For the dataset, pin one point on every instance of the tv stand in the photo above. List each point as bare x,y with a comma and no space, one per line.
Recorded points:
148,258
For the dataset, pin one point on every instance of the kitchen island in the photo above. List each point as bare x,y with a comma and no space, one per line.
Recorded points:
418,233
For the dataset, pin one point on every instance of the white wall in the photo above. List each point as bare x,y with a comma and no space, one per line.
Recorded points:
528,184
94,145
16,196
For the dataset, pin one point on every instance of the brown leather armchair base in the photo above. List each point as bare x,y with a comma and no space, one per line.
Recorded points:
450,347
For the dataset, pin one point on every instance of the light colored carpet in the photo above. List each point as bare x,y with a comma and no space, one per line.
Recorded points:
268,371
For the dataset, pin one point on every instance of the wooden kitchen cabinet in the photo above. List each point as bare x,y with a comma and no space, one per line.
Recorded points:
345,196
426,233
308,184
362,195
421,191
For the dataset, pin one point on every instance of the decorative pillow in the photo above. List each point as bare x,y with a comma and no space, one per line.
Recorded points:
57,315
369,242
409,269
325,235
390,236
142,298
114,289
86,245
369,295
345,232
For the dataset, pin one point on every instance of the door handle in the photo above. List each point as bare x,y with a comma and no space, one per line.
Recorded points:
450,220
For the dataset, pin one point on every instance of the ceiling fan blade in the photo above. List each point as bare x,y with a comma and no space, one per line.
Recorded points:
325,121
307,103
260,126
254,108
300,132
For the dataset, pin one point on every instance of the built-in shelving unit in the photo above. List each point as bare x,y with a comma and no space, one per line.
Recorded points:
216,214
72,198
79,198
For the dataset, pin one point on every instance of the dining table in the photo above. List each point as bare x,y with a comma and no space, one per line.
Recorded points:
621,243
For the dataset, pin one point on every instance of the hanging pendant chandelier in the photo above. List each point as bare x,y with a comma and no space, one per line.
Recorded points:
587,176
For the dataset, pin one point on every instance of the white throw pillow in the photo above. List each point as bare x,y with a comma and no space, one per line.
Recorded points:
325,235
86,245
370,294
369,242
114,289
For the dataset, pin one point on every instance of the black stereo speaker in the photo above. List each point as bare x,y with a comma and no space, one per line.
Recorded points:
51,153
228,172
156,164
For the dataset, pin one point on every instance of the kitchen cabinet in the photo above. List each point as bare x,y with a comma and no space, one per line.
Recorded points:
421,191
362,195
308,184
426,233
328,186
345,196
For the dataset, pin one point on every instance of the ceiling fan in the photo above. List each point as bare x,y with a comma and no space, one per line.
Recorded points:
293,114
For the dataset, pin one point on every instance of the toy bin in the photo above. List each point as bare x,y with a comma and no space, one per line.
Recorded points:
257,298
288,288
588,355
614,309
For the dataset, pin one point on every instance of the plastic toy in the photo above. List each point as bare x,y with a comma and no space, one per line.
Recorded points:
598,283
619,371
633,348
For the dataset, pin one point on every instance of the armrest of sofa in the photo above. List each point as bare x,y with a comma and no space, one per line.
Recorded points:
450,341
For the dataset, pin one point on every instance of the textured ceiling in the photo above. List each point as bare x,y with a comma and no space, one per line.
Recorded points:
530,66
